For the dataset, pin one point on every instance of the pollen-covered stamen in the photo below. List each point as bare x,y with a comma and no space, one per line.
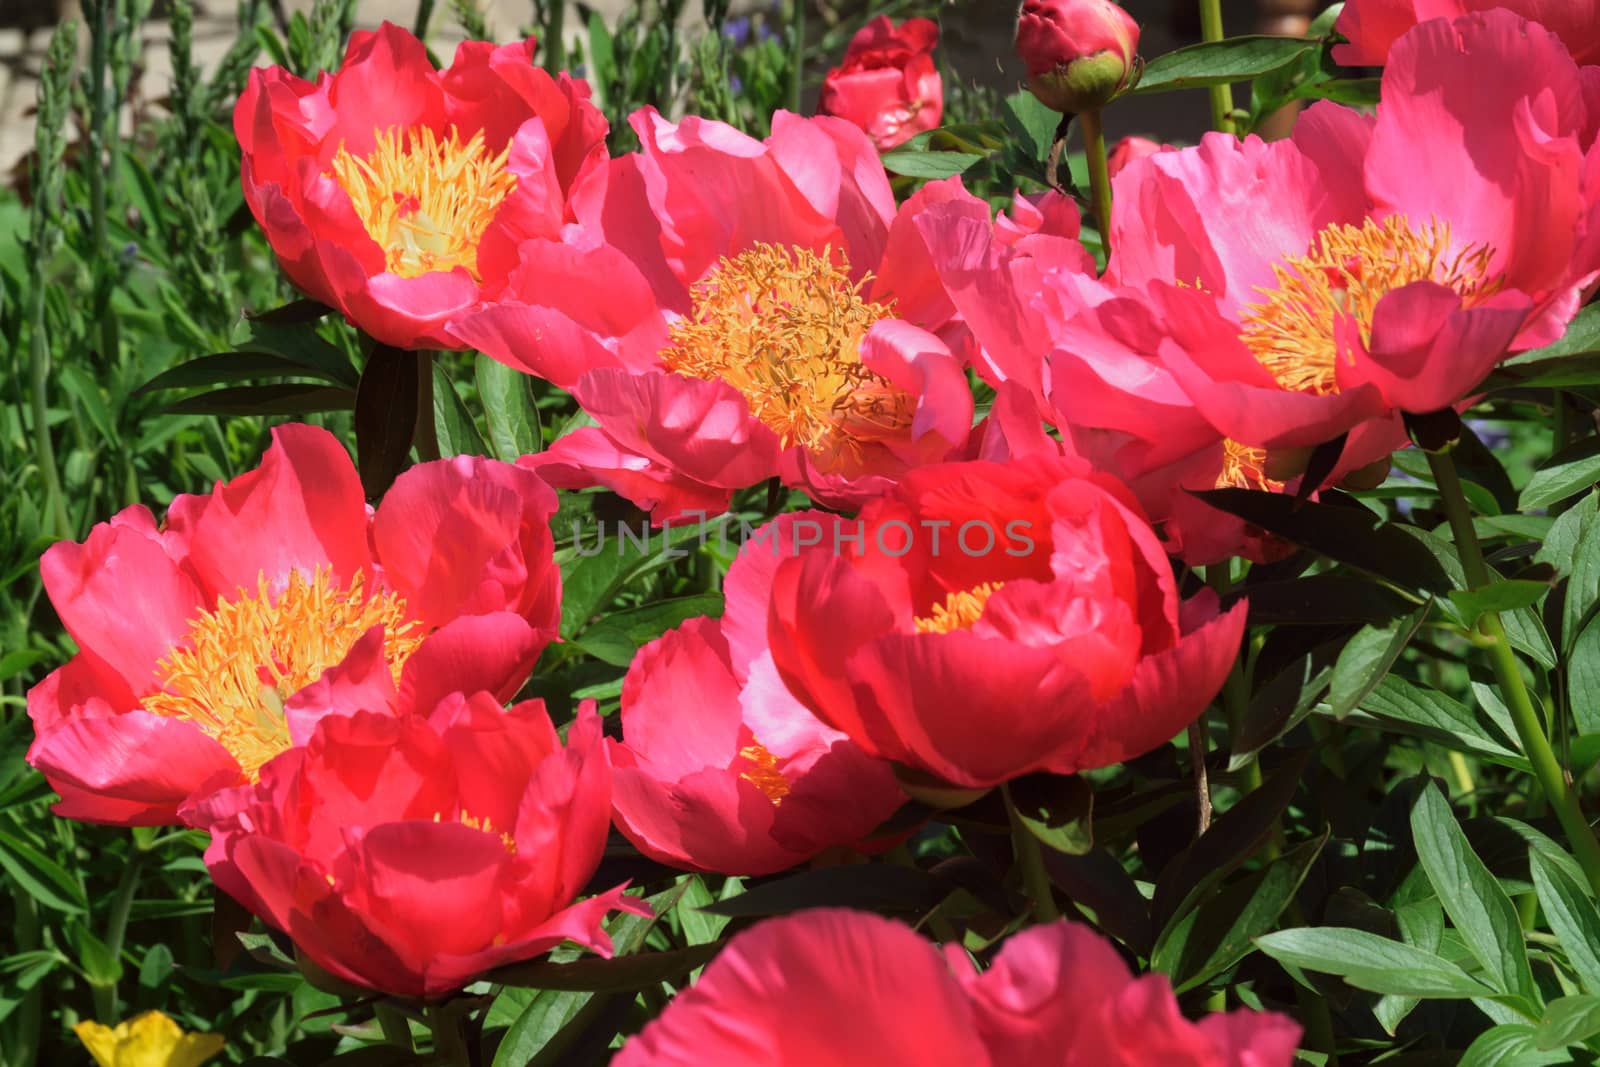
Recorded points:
1346,272
763,772
784,327
959,610
1244,467
244,658
426,200
484,825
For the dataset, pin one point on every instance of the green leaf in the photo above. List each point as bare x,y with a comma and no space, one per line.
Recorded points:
867,887
230,367
1058,809
1582,337
1220,932
452,424
1567,473
618,974
1366,659
509,409
591,581
1583,584
300,344
1371,962
1509,1045
40,876
1322,599
387,404
928,165
1233,838
1404,708
644,624
1236,59
288,399
1482,913
1351,535
1568,1021
1572,917
606,644
1033,122
1508,594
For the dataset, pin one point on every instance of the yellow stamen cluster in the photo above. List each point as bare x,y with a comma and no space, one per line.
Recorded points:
784,327
483,825
246,656
959,610
764,773
426,200
1344,275
1244,467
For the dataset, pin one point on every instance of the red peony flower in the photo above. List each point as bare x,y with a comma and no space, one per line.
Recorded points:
836,988
411,854
887,83
1079,53
1371,265
404,196
1373,26
1004,618
766,312
719,768
196,637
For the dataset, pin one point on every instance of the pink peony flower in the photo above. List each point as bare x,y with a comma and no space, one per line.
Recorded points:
767,313
412,853
719,768
1373,26
1371,266
887,83
836,988
197,638
1131,148
404,196
1004,618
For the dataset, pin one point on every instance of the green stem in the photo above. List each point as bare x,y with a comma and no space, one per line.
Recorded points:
1034,879
1236,690
44,449
106,1001
1524,716
797,51
449,1043
426,437
29,1013
1221,95
1094,146
392,1021
424,16
102,113
555,46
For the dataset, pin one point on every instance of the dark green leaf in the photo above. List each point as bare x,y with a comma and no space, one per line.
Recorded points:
1509,1045
1568,1021
621,973
1220,62
1220,932
1582,337
1058,809
1321,599
265,400
230,367
1400,706
1349,535
41,877
386,416
1367,659
868,887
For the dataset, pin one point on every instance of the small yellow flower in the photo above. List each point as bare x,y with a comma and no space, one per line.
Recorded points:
148,1040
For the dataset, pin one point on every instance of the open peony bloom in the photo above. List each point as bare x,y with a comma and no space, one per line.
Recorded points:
836,988
1373,26
148,1040
997,619
411,854
887,83
719,768
1371,265
766,313
402,195
197,637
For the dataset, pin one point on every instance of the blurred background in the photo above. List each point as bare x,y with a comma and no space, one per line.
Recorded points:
976,41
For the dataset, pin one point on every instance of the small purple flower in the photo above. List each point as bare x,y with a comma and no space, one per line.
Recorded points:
737,30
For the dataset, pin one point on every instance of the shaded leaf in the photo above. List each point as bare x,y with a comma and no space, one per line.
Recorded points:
1220,62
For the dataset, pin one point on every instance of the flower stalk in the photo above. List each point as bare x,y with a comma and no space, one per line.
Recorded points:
1094,146
1221,95
1524,716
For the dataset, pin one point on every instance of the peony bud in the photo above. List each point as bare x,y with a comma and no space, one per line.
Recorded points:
1080,53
